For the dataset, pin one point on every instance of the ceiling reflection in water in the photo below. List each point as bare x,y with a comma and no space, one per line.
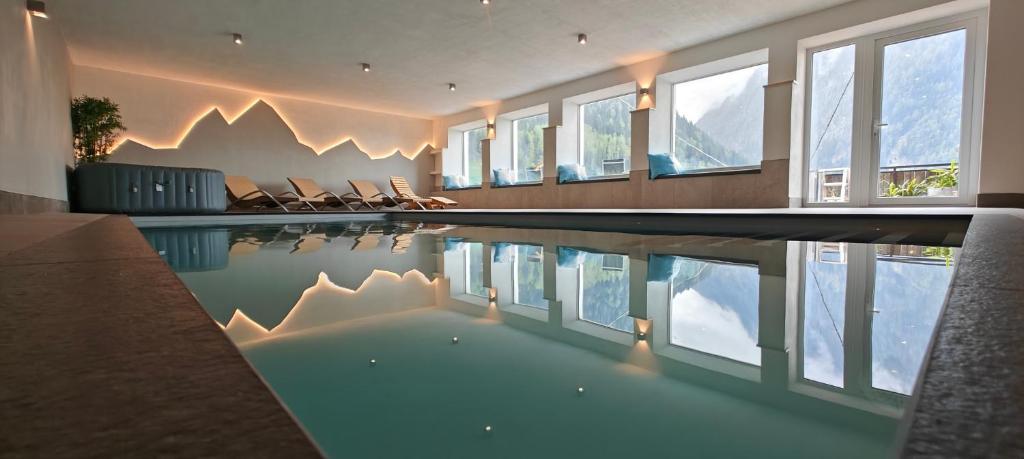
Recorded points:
686,344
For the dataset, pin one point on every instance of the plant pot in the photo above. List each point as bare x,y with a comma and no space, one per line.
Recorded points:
947,192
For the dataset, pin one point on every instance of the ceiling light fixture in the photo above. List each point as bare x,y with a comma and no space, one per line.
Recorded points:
485,2
366,67
451,86
237,38
582,38
37,8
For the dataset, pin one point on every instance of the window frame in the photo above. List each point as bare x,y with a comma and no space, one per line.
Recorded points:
868,68
581,143
672,83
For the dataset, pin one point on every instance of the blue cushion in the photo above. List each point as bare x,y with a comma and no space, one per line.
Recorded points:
503,177
660,267
663,164
570,173
450,182
502,252
453,243
569,257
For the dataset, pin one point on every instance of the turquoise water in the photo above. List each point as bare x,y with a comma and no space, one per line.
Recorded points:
447,341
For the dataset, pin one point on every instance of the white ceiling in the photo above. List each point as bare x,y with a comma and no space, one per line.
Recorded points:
312,49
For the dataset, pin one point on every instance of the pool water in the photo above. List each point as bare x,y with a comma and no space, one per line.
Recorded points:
423,340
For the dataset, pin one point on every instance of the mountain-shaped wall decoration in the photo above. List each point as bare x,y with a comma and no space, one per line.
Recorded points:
260,144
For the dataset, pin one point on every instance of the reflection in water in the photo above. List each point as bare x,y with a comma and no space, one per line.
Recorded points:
910,285
310,304
824,299
714,309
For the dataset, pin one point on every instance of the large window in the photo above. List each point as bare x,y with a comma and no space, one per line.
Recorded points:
528,147
605,135
472,155
718,120
714,309
824,312
900,134
831,125
604,291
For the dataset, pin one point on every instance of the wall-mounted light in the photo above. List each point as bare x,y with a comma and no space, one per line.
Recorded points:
451,86
492,130
582,38
645,92
366,67
237,38
37,8
641,336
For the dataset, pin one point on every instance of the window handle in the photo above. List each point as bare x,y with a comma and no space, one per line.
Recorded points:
879,125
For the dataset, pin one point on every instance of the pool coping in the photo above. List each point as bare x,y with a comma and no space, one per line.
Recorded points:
970,401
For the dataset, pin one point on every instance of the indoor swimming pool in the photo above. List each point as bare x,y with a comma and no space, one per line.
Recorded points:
402,339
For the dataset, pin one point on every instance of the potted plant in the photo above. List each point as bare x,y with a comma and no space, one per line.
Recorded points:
943,182
95,125
909,188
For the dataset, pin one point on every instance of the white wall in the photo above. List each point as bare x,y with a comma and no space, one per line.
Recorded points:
267,138
1002,158
35,127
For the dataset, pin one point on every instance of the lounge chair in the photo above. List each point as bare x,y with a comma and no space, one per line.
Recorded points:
371,196
308,188
244,194
402,188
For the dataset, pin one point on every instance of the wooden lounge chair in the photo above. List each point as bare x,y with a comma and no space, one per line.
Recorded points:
308,188
244,194
371,196
403,190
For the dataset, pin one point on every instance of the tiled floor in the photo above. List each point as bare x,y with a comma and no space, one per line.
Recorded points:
107,354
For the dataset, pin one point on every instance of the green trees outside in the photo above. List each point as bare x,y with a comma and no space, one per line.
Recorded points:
529,147
606,132
474,154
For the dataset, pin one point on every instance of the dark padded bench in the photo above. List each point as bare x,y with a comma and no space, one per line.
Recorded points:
114,188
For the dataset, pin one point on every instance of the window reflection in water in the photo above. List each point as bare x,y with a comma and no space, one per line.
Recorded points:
604,290
824,313
713,309
910,289
475,269
528,276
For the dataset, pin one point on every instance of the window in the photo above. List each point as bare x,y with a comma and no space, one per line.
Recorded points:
472,155
475,270
718,120
831,125
714,309
604,291
528,147
899,132
528,276
605,135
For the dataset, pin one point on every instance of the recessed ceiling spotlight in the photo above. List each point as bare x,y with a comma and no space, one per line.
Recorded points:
366,67
237,38
582,38
37,8
451,86
485,2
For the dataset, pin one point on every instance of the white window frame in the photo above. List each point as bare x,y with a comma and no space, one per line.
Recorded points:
741,63
515,274
580,298
866,105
